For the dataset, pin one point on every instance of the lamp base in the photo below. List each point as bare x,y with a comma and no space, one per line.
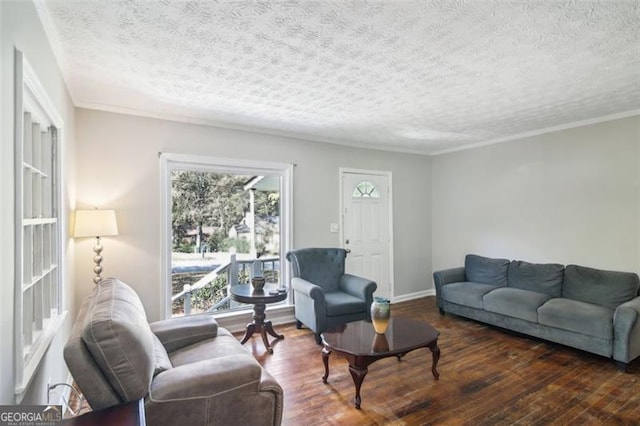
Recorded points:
97,259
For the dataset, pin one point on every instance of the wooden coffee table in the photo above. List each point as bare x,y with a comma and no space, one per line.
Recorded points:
359,344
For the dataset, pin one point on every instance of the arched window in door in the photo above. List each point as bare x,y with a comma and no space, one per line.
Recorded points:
365,189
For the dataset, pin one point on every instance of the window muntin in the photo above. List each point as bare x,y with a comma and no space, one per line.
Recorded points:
365,189
38,308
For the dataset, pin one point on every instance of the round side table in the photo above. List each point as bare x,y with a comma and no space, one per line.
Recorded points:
245,293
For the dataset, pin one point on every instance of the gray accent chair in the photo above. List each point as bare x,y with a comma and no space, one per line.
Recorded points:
325,296
188,370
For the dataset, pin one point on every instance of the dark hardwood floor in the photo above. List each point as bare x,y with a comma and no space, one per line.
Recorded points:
488,376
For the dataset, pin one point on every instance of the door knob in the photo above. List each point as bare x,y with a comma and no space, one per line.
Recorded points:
346,241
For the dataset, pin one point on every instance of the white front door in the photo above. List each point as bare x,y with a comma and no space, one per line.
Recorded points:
366,226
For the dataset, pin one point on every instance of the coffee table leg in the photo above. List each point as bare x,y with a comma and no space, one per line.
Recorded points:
358,376
435,354
325,359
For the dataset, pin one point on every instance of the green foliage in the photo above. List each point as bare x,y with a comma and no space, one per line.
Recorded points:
184,247
218,201
206,297
242,246
202,199
209,295
215,241
215,202
267,203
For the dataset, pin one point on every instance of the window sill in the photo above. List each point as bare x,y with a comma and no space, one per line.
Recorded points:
39,349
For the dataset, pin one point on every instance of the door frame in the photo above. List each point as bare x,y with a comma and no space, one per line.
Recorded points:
342,171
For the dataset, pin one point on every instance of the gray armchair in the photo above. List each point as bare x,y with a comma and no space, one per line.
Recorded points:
326,297
187,369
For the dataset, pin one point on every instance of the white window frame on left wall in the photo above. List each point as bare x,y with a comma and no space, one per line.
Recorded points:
39,252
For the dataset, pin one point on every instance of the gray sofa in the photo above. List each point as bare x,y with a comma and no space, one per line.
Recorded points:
589,309
188,370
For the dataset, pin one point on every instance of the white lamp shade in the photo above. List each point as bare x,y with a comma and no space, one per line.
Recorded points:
95,223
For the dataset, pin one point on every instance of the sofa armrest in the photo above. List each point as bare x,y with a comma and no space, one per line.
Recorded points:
207,378
626,331
359,287
444,277
176,333
308,289
448,276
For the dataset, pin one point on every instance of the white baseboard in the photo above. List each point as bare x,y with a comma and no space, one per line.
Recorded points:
416,295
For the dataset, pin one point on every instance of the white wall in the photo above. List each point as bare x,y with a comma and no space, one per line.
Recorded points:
21,28
568,197
118,167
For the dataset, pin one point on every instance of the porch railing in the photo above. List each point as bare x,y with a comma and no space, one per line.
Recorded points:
233,270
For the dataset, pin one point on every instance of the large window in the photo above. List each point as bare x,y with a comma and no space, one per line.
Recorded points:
221,218
38,276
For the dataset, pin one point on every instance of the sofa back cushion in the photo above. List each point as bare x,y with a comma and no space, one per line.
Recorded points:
486,270
118,336
543,278
604,288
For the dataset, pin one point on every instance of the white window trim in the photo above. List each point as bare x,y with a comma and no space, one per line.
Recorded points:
31,96
170,162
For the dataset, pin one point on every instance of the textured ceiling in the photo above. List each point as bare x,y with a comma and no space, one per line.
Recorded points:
416,76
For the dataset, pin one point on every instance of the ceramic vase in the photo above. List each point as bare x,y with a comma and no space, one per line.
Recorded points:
380,313
258,283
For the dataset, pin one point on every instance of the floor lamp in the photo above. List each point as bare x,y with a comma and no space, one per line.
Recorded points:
96,223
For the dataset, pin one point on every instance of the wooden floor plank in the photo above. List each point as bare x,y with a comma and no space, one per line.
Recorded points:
488,376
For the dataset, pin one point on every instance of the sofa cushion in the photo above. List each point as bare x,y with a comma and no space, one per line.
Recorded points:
579,317
515,302
466,293
605,288
540,277
118,336
224,344
162,361
485,270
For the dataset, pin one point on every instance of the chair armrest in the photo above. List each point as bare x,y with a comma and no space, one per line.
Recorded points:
308,289
626,331
444,277
206,378
176,333
359,287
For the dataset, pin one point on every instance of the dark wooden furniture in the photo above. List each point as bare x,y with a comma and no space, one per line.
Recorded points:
131,414
361,346
245,293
